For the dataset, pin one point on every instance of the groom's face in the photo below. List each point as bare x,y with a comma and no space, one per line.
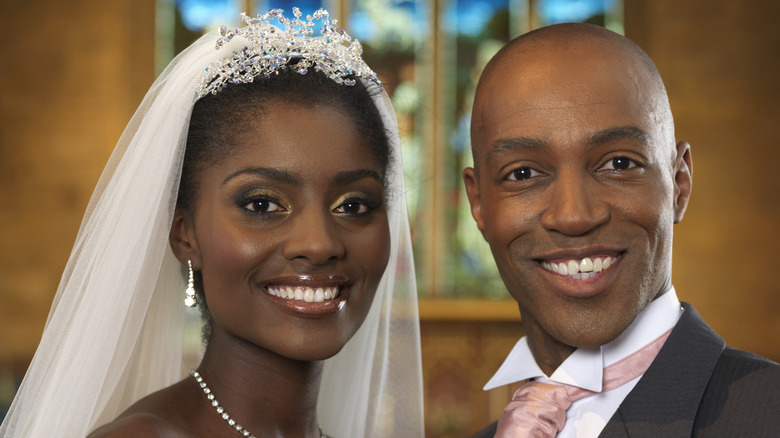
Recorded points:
574,188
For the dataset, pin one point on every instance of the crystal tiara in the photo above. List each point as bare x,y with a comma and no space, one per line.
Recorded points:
271,49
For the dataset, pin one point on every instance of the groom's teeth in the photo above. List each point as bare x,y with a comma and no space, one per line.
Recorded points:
586,265
580,270
307,294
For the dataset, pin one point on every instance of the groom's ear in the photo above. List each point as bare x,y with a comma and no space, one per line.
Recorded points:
475,200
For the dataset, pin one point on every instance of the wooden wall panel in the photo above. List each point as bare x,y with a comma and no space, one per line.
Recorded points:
73,73
458,359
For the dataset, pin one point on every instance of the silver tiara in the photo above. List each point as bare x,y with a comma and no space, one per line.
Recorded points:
271,49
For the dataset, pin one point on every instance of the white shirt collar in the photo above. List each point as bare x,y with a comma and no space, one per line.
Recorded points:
584,367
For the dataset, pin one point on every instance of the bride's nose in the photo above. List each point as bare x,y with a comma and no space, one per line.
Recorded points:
313,236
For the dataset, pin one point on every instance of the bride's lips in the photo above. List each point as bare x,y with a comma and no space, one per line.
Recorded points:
308,295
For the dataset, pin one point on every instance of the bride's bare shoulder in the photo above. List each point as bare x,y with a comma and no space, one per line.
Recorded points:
163,414
140,424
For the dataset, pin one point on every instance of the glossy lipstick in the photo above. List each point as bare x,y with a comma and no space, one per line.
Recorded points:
309,295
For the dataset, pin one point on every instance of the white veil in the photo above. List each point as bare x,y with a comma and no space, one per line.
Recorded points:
115,330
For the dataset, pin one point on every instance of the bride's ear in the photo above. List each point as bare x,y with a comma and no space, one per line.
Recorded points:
183,240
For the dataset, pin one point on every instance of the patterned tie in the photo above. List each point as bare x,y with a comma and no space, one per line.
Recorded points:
538,410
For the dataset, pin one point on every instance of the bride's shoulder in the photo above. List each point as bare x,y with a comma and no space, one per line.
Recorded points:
144,424
162,414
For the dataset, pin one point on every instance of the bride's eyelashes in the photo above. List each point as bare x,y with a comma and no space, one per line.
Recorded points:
356,204
259,202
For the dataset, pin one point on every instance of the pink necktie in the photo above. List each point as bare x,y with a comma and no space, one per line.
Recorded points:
538,410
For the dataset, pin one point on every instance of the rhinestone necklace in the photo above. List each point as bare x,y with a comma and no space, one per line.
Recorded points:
221,411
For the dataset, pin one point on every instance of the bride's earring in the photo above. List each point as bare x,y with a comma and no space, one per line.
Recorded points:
189,299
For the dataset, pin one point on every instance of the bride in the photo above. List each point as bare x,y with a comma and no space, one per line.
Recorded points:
260,181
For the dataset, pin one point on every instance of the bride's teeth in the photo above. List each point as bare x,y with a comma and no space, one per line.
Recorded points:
586,265
562,269
308,294
573,267
607,262
597,265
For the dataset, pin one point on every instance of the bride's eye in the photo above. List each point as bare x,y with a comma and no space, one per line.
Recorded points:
352,207
259,201
356,204
263,205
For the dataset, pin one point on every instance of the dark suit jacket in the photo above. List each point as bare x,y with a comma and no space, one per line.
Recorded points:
698,387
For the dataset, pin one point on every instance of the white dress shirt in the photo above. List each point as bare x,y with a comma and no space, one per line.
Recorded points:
587,417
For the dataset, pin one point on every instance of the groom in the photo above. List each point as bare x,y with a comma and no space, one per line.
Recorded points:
576,185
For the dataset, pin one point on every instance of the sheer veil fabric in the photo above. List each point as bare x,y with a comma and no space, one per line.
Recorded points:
115,330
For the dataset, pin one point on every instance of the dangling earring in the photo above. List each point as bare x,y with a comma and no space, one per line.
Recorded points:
189,299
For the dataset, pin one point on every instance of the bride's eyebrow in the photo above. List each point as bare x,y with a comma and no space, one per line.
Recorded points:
266,172
348,176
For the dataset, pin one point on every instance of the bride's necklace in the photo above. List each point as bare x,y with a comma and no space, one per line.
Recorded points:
221,411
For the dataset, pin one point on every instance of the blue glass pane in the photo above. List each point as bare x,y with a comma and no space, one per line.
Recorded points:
202,14
471,17
388,22
562,11
306,6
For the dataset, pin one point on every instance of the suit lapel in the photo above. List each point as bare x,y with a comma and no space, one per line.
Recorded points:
665,400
